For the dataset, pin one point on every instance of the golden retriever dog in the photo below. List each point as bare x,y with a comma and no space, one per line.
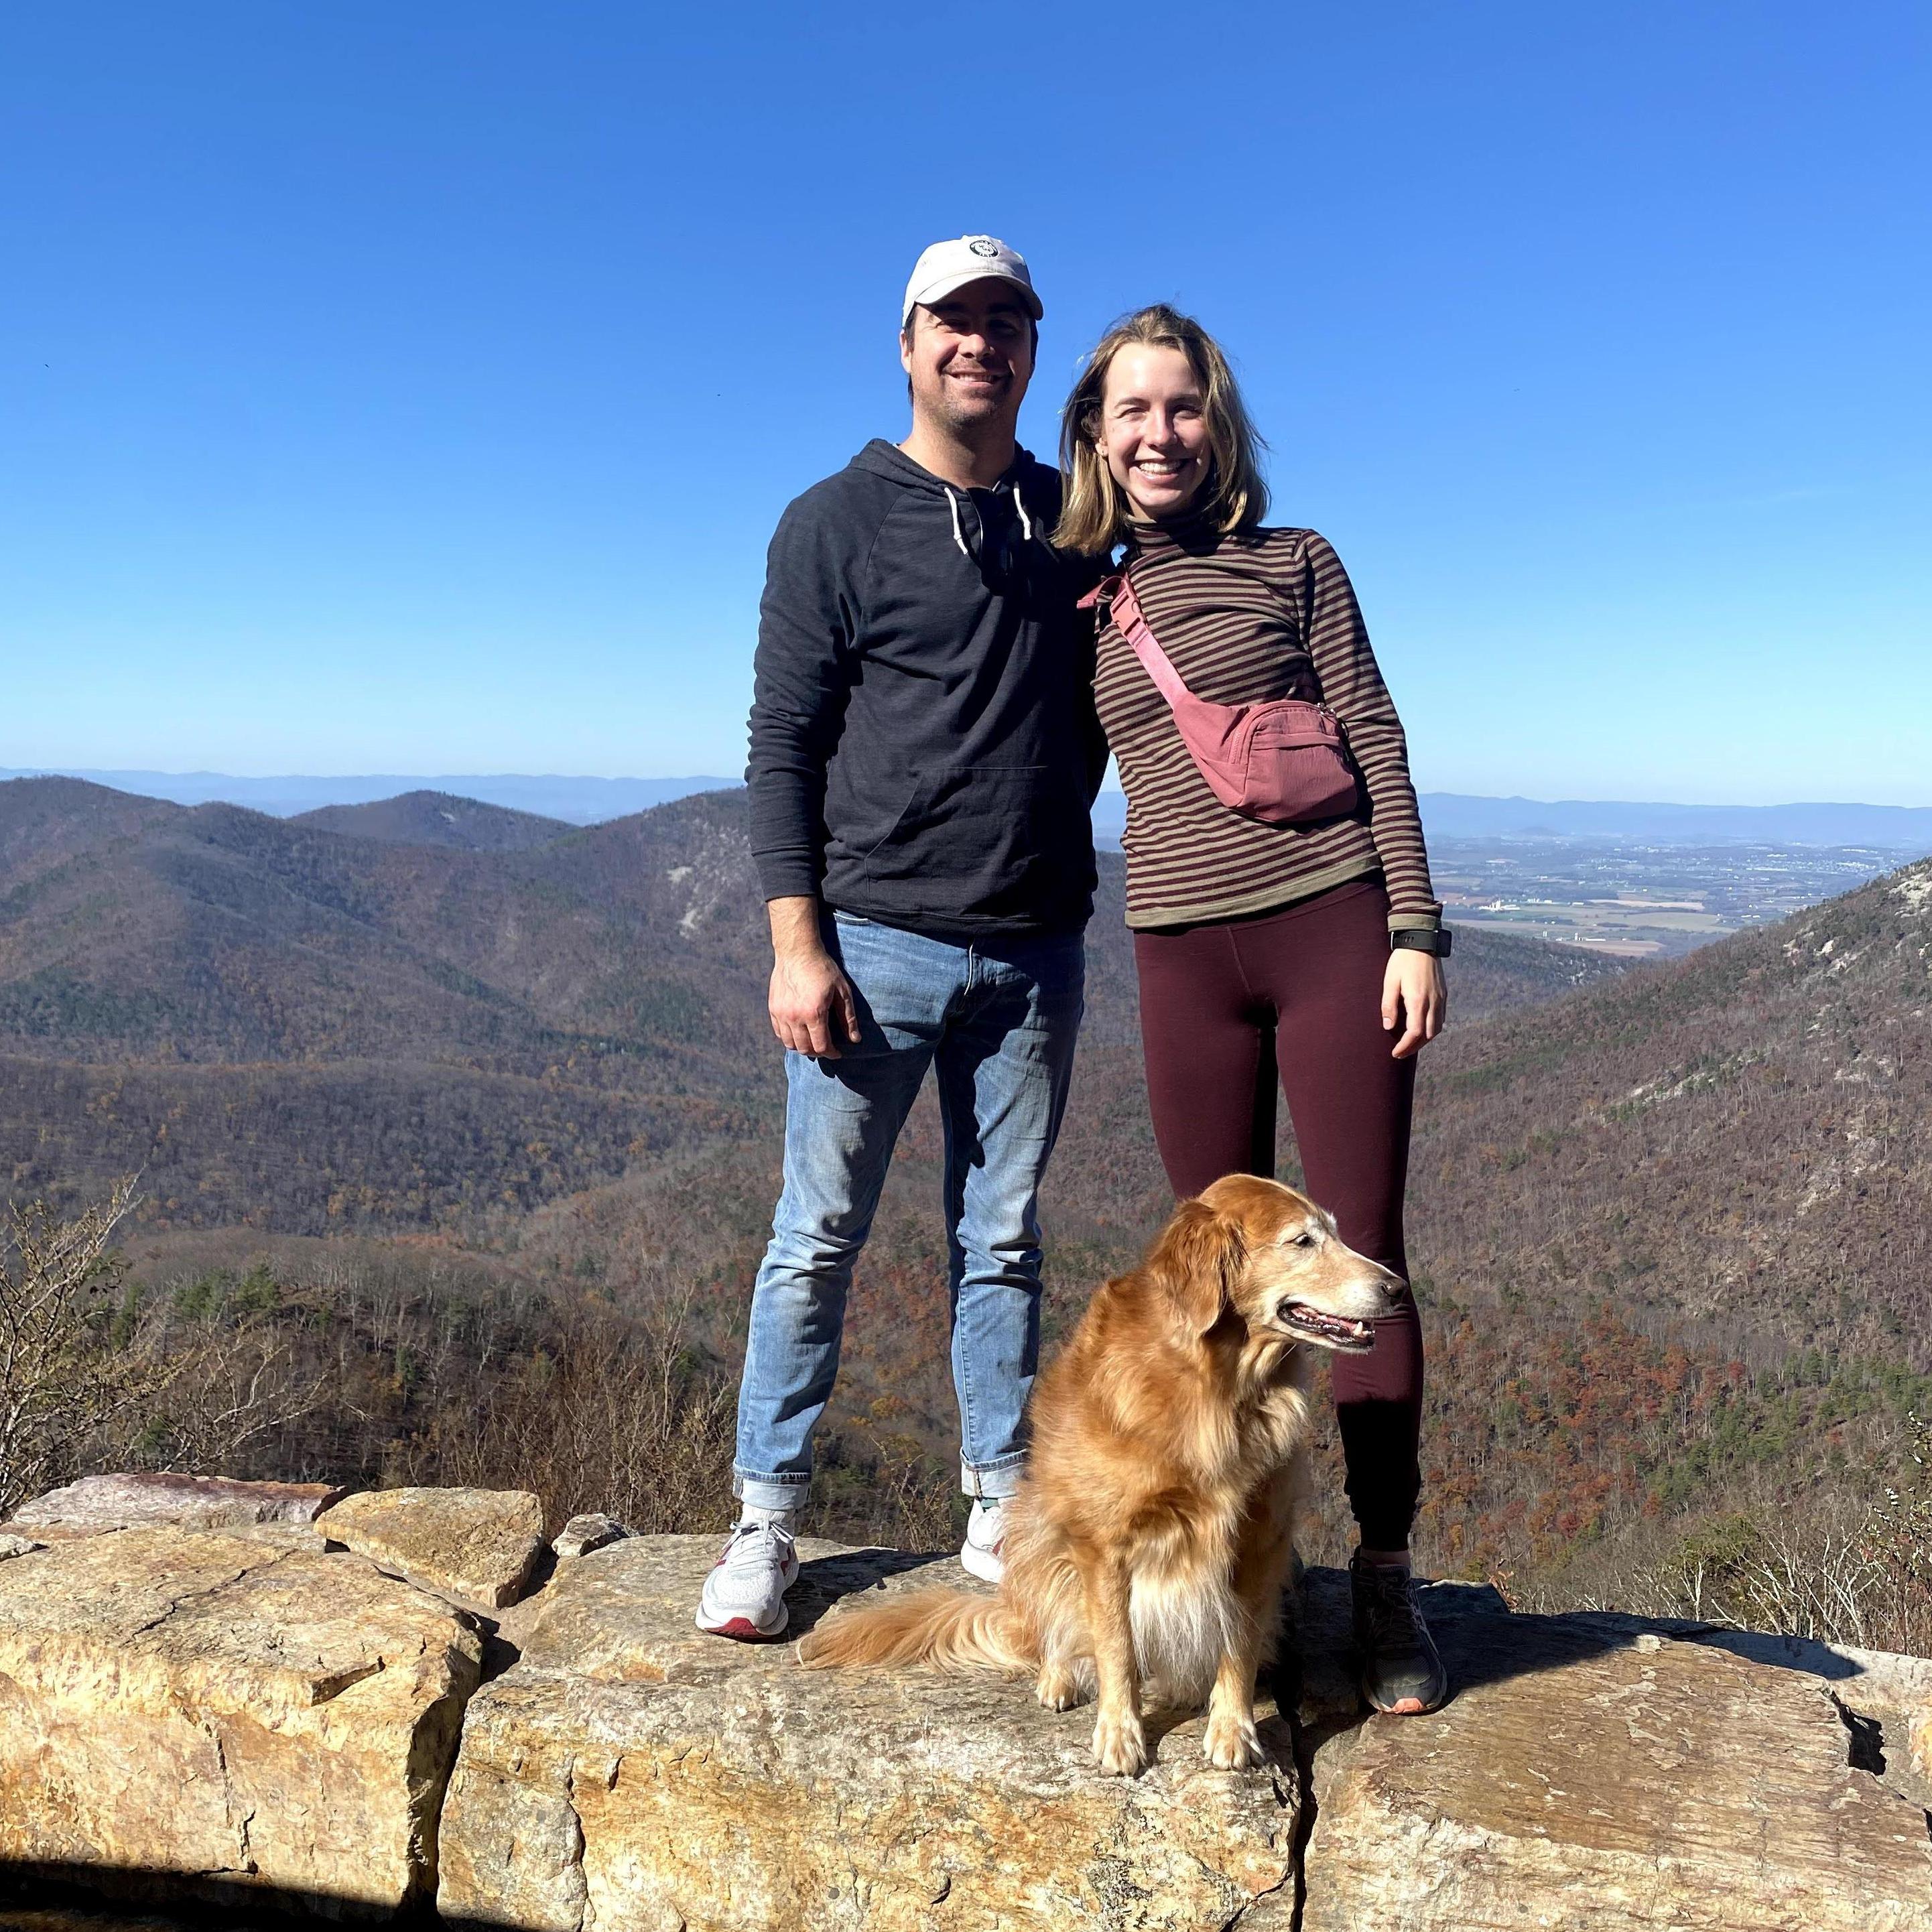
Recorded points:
1148,1542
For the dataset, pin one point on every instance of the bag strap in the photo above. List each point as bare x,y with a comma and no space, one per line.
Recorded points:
1117,593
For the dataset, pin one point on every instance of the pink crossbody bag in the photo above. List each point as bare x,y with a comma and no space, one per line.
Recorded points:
1282,761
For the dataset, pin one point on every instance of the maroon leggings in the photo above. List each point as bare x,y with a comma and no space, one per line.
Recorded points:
1307,982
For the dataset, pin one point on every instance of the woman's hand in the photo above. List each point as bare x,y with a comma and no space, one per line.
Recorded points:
1415,997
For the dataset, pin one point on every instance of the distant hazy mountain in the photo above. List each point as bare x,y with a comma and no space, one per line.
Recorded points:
439,818
581,801
1904,830
1890,828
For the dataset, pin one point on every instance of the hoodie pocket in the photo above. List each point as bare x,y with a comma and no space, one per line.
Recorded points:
990,839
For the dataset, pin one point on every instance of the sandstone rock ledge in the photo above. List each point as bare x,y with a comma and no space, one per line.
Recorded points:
1599,1775
629,1772
248,1715
477,1547
203,1713
96,1504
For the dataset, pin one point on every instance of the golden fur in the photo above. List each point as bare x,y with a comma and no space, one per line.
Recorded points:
1146,1547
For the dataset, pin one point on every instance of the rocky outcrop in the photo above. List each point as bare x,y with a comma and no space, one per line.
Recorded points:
203,1712
630,1771
96,1504
1605,1776
247,1712
583,1533
478,1547
1884,1700
1913,1741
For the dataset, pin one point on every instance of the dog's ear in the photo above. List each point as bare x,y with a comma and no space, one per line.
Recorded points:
1196,1260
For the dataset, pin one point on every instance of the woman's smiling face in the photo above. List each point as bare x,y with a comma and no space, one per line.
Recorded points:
1152,429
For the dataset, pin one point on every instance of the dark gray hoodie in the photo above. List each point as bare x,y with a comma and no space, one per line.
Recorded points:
924,749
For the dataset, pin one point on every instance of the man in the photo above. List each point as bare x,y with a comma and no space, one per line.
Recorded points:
924,754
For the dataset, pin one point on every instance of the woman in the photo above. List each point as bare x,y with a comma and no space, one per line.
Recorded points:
1319,941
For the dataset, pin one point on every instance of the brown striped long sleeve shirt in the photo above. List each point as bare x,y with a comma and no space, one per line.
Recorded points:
1267,614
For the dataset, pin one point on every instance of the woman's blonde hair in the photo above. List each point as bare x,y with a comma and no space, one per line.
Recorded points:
1095,513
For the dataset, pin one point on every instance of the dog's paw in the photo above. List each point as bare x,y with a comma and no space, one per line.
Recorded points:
1058,1689
1232,1741
1120,1746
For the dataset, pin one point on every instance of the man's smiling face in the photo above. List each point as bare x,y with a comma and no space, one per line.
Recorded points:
969,356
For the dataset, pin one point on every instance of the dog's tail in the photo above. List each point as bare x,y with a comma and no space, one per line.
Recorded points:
951,1630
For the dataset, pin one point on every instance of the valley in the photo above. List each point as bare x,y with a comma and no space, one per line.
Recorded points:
1633,899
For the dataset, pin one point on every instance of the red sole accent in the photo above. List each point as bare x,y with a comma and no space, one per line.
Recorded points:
745,1631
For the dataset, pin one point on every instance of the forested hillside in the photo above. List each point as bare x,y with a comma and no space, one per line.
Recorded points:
438,818
297,1028
397,1015
1740,1139
1673,1235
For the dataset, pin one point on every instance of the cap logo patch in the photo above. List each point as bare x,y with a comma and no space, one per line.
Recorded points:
982,245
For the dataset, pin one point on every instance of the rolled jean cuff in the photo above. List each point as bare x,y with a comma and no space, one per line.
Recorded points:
770,1492
993,1480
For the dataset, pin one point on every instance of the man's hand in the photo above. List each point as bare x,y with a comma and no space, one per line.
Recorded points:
1415,994
812,1005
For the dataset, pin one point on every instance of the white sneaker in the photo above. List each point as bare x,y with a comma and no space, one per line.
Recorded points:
984,1552
744,1595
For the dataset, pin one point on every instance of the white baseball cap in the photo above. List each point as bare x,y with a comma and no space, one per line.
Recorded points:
947,265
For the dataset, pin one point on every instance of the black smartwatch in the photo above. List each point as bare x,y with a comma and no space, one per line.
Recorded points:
1436,939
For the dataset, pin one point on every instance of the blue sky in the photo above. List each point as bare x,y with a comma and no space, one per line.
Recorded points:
412,387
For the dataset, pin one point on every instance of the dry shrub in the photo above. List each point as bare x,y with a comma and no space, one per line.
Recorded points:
64,1384
92,1379
232,1401
1896,1546
621,1414
1838,1577
616,1415
882,1486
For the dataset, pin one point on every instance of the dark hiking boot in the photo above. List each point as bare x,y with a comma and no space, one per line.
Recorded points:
1402,1670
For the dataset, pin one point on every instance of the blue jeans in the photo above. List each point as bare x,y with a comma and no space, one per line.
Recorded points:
997,1021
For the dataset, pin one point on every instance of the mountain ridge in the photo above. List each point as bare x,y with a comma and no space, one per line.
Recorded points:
1738,1136
583,801
1887,827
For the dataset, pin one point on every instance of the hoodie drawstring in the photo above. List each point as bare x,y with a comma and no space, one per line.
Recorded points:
959,531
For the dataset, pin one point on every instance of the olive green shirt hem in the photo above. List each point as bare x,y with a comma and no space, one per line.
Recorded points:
1274,898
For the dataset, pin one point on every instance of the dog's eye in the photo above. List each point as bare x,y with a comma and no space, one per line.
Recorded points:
1303,1239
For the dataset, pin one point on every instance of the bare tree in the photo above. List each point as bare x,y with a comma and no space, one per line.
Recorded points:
63,1380
90,1379
612,1415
